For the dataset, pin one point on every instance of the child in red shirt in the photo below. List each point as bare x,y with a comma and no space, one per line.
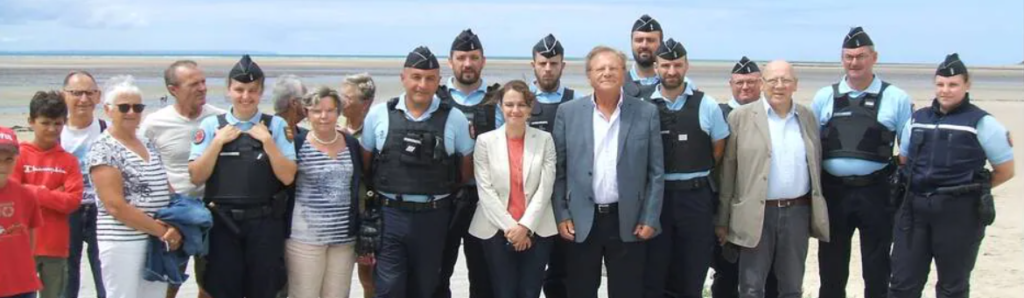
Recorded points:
53,177
19,217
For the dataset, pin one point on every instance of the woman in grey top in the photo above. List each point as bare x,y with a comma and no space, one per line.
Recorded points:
320,253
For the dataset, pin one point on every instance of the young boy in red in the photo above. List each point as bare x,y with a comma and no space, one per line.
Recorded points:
53,177
19,217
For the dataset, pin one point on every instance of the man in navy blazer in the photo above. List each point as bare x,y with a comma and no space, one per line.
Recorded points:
608,185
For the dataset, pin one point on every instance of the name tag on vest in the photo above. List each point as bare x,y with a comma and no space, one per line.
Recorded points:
683,137
230,154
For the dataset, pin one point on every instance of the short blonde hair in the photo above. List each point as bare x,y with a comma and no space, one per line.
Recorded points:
605,49
314,97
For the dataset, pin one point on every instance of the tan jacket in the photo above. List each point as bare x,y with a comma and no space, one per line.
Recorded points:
491,164
745,169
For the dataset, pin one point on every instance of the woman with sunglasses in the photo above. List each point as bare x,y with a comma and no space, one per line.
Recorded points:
132,185
320,253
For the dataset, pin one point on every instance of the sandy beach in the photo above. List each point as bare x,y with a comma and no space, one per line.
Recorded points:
998,89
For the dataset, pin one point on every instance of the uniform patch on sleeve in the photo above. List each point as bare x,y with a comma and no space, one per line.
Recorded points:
199,136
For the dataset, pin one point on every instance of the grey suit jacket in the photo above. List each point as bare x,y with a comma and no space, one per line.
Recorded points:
640,166
745,174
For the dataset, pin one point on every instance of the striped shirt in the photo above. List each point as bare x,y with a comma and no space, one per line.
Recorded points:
322,197
145,185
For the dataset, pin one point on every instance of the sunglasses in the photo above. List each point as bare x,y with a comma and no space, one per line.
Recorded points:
125,107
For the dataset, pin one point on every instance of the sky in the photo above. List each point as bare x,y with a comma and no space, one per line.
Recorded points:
989,32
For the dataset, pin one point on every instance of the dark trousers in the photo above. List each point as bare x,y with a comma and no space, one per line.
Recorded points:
25,295
410,254
83,230
945,228
782,248
726,279
458,233
679,258
247,264
852,208
556,274
624,261
516,274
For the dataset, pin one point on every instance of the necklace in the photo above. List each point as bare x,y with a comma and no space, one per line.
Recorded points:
318,140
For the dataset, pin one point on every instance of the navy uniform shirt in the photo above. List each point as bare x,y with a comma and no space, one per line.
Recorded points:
991,134
210,125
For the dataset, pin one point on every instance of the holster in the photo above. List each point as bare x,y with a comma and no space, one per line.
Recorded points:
986,204
371,224
897,188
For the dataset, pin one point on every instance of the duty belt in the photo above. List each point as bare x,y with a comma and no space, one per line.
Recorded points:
690,184
415,206
859,181
240,214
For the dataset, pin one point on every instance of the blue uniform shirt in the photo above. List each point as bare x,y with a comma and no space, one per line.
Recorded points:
991,134
456,133
733,103
894,114
711,122
277,127
542,97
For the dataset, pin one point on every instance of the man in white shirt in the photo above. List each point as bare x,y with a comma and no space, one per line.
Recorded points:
81,95
171,130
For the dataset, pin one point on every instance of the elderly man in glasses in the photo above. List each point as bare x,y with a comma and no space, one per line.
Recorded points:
771,200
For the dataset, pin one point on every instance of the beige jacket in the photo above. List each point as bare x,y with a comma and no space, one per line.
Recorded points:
491,165
744,186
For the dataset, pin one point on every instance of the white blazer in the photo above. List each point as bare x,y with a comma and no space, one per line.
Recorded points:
491,165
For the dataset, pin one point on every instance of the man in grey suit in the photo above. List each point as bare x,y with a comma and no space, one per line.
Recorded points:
609,185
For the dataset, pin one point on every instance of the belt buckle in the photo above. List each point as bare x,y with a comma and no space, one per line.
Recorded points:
604,208
786,203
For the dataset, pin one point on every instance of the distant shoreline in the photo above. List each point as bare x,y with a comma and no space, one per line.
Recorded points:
343,57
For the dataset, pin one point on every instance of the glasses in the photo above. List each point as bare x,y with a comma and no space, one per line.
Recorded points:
124,107
80,93
779,80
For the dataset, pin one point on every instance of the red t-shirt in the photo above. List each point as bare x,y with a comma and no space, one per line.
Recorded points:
19,215
516,196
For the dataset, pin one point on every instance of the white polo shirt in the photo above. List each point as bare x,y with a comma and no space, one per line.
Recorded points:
171,134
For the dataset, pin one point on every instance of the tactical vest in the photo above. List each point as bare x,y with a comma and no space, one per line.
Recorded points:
635,89
481,116
854,130
944,148
688,148
726,110
413,159
543,115
242,174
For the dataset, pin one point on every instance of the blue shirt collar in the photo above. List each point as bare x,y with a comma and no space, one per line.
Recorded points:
687,92
233,120
636,76
435,103
874,87
771,113
451,86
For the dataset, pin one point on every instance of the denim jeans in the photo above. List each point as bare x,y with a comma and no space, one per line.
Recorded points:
83,229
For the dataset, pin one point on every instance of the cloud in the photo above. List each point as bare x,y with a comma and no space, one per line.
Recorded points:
95,14
112,16
8,39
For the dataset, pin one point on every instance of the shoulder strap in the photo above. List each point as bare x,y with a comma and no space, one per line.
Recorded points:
103,125
568,94
392,103
835,91
222,121
882,90
300,139
267,119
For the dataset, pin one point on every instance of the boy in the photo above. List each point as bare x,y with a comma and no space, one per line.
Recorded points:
19,217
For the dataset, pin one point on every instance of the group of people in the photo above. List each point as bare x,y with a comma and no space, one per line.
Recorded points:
648,176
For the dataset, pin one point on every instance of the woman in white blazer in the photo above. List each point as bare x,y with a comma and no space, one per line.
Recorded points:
515,174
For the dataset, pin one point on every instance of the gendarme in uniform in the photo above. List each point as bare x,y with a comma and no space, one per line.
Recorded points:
246,198
948,204
414,170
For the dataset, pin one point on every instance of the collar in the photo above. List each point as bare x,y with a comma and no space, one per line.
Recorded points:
636,75
873,88
230,117
593,98
558,91
768,109
451,86
733,103
687,92
435,103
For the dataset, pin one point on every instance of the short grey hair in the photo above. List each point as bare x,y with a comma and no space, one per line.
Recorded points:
314,97
171,73
287,88
363,84
119,85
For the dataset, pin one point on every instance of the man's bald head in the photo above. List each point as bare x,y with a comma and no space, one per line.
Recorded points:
779,82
